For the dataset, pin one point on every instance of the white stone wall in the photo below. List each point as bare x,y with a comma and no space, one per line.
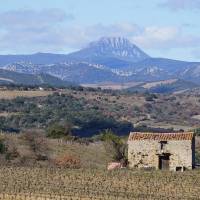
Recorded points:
145,153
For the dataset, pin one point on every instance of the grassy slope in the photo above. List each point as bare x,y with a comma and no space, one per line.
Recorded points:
91,155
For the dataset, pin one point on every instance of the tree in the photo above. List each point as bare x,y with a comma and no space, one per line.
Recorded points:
115,145
58,131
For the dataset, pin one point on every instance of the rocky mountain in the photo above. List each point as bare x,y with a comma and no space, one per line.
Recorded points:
113,52
114,60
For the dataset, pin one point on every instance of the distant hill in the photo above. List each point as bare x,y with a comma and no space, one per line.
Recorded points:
167,86
38,58
9,77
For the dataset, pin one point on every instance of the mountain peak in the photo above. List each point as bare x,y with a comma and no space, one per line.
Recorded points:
115,42
118,47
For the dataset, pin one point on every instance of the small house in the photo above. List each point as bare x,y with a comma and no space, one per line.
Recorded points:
164,151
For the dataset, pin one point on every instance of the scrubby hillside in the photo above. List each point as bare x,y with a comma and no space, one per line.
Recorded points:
89,111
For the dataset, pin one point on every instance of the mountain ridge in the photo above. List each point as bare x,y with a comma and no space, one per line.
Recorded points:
105,60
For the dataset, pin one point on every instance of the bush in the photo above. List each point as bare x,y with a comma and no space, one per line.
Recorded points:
197,157
115,145
150,97
145,128
2,147
12,154
109,136
68,161
37,143
35,140
59,131
197,131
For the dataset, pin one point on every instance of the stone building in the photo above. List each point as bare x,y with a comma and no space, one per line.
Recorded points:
165,151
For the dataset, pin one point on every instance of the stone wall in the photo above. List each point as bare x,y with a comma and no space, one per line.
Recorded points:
145,153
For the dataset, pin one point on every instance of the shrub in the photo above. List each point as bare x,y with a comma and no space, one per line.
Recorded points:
197,157
108,135
197,131
150,97
37,144
68,161
2,146
12,154
58,131
35,140
115,145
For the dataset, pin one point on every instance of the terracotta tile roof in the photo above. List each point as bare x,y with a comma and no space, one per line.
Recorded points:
161,136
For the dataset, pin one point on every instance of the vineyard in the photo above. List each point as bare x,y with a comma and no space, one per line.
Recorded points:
59,184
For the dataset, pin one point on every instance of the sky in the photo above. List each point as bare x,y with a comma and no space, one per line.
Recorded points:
161,28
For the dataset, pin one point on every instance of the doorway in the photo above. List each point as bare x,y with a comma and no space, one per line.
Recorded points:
164,162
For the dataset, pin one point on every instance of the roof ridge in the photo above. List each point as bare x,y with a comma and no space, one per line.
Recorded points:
163,132
161,136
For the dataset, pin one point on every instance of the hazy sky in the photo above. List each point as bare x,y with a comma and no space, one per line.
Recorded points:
162,28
